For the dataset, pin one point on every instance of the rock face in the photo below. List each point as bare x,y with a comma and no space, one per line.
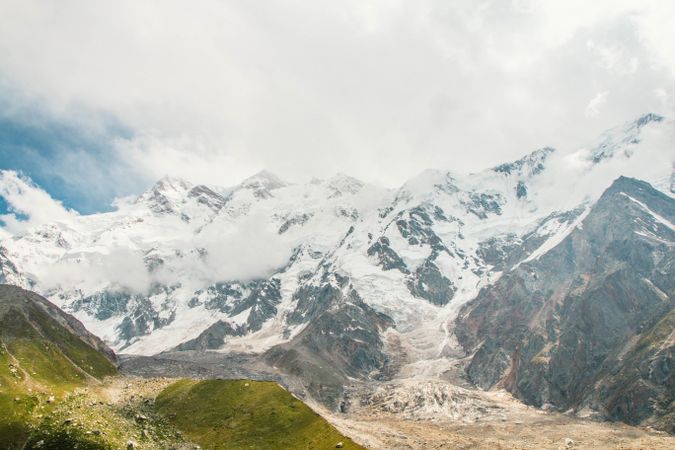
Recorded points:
589,323
342,339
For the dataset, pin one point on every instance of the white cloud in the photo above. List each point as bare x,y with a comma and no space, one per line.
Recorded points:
571,177
120,269
246,250
249,251
377,89
593,107
29,205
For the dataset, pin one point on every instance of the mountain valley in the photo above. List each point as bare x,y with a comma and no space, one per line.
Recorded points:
457,310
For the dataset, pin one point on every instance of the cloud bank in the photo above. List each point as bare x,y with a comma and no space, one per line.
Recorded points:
217,90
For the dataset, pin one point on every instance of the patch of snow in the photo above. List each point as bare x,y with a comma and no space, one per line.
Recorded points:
656,216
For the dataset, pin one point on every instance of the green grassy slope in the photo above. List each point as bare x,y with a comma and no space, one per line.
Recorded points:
52,396
239,414
39,359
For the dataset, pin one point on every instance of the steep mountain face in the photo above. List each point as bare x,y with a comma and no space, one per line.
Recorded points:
590,322
337,279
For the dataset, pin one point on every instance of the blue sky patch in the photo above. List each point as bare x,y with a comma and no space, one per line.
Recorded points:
76,163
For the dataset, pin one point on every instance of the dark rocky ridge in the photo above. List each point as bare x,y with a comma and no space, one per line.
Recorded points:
590,323
261,302
342,340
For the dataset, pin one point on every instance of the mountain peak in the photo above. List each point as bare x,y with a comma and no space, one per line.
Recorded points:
168,184
341,184
630,185
529,165
623,183
262,183
647,118
618,140
626,194
163,194
264,178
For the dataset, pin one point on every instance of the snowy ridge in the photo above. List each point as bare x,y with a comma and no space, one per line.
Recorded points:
231,268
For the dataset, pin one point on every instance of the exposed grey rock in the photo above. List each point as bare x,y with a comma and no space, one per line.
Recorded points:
430,284
299,219
142,319
349,213
262,299
206,196
8,270
221,296
415,225
156,198
341,339
530,165
585,324
104,305
505,251
387,258
481,204
521,189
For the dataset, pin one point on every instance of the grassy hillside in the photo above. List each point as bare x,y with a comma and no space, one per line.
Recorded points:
151,414
239,414
56,393
40,361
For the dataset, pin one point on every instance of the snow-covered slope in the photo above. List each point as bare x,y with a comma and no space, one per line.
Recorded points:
252,266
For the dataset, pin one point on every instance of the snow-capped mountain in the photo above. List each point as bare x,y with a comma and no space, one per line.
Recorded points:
333,273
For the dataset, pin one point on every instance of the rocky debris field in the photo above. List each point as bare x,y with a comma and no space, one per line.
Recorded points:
433,415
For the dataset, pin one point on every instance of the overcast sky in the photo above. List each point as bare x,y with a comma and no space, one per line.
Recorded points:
100,99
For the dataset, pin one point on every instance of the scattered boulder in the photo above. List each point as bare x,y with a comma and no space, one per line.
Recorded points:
339,445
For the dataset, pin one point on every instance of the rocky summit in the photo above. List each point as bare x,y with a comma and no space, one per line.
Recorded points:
549,277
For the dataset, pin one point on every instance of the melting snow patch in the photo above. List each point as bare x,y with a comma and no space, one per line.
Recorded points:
656,216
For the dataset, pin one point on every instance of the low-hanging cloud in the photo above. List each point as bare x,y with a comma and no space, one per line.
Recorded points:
29,206
223,252
594,104
118,269
252,250
572,177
